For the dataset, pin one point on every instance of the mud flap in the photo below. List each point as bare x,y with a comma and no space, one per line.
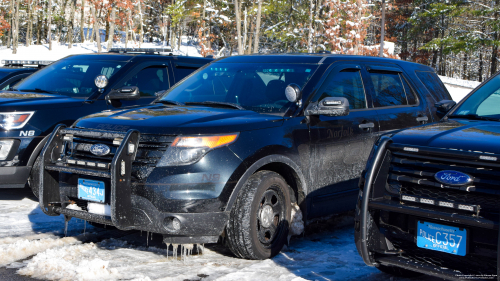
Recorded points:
122,213
49,180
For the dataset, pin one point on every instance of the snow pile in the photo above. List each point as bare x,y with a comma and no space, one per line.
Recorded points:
23,248
59,51
458,88
459,82
297,223
75,262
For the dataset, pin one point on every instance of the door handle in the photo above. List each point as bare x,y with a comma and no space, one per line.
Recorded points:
422,119
366,125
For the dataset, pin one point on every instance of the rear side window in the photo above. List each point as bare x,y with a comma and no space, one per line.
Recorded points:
389,89
182,71
433,84
345,84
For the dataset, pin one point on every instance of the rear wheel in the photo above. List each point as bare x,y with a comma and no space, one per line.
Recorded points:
259,220
33,179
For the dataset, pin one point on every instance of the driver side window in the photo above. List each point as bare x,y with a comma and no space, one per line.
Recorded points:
345,84
150,80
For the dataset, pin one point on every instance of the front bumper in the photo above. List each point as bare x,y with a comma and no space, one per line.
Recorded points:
127,210
14,177
385,231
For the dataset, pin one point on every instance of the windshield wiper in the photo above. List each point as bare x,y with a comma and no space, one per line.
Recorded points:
226,104
474,116
37,90
170,102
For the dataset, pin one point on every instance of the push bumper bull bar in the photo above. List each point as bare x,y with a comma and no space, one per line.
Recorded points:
391,260
128,211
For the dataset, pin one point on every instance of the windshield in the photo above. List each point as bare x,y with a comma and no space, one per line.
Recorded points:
483,103
69,77
252,86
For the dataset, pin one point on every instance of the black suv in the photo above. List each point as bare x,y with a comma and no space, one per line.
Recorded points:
14,71
229,151
429,201
65,91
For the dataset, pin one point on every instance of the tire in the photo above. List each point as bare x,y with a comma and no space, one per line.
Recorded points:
33,180
397,271
259,221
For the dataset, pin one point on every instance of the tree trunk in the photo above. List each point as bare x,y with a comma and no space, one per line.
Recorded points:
141,30
15,31
238,26
49,23
38,29
480,69
96,30
111,29
82,22
245,31
250,37
310,26
11,22
257,29
71,24
30,24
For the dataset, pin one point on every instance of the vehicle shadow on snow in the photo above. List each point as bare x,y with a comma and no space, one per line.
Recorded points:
326,251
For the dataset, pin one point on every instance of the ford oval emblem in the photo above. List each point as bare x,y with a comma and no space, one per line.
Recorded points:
450,177
100,149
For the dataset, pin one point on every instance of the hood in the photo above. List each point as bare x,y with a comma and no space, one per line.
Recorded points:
163,119
461,134
19,101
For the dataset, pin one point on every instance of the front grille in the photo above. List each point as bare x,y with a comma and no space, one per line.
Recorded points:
413,175
77,152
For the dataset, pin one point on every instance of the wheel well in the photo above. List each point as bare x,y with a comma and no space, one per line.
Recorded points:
290,176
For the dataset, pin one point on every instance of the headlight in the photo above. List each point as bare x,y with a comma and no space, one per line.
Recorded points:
189,150
14,120
5,146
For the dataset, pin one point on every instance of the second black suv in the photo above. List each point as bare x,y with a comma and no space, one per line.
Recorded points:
429,201
68,89
229,150
14,71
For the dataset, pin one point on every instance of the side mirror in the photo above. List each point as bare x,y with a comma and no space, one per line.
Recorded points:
331,106
444,107
124,93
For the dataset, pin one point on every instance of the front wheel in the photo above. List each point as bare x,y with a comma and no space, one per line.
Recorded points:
33,180
259,220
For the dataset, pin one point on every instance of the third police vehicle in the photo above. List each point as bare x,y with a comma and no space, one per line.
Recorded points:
73,87
228,151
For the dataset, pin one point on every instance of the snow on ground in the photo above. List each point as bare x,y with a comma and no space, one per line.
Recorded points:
458,88
59,51
34,244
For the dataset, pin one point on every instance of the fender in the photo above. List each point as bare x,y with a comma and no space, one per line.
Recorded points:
37,151
275,158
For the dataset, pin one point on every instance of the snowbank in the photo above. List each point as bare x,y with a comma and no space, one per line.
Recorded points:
458,88
41,52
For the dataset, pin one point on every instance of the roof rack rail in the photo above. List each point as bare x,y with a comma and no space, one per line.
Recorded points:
149,51
35,63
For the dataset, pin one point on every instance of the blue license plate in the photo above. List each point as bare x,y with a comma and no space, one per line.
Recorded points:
91,190
442,238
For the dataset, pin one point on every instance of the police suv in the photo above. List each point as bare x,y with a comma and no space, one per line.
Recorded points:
74,87
14,71
429,200
228,151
